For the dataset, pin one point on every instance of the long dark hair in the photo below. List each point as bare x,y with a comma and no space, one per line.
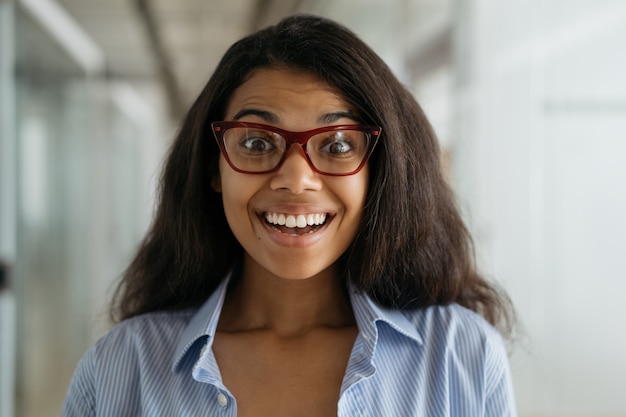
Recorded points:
412,249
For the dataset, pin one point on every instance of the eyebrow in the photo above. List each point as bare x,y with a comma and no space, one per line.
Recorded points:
333,117
263,114
270,117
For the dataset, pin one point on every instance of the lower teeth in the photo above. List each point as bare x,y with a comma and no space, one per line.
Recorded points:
313,230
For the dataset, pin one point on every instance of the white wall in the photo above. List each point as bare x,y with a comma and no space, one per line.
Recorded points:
539,161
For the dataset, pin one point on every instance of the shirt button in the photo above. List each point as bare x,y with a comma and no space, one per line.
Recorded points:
222,400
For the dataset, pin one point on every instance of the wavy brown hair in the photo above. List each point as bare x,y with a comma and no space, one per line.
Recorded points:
412,249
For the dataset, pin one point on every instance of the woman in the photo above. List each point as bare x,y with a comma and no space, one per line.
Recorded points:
306,258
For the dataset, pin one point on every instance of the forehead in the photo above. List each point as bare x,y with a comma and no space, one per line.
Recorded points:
283,91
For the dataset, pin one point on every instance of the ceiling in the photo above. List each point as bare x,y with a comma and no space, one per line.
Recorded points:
176,43
172,46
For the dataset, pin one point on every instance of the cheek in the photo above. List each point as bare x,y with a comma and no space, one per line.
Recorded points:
234,194
237,214
353,192
359,188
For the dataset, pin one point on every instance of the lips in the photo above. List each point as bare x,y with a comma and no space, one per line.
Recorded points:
296,224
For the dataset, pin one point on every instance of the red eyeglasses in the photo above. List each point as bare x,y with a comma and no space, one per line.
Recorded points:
255,148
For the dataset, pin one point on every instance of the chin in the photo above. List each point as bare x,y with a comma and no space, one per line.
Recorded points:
296,272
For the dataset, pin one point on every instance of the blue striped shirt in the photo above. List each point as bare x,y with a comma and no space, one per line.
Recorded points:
437,361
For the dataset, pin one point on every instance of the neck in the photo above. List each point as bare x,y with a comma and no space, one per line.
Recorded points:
263,301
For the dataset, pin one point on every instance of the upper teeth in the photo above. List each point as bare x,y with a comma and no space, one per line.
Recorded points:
297,220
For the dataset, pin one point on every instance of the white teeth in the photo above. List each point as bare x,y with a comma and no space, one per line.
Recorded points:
301,220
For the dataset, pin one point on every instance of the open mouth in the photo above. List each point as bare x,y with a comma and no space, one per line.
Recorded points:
296,224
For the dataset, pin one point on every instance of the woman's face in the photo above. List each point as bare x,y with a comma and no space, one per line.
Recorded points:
255,203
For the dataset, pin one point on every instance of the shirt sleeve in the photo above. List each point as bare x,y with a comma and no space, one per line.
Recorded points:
500,398
80,398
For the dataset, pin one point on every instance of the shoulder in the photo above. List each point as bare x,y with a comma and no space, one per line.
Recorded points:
440,356
437,328
135,352
471,350
142,361
464,341
459,339
453,323
146,341
143,334
443,334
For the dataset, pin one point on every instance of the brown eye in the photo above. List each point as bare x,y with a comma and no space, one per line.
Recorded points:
255,142
338,145
257,145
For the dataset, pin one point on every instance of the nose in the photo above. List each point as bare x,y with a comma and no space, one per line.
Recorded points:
296,174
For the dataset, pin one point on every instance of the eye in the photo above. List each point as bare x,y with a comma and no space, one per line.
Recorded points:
257,142
339,144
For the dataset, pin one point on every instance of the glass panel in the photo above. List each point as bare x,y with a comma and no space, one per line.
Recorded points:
79,213
52,236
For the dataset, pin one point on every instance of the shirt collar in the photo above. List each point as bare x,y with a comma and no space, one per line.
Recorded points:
367,313
203,323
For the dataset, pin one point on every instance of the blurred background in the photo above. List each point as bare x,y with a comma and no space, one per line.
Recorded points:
528,98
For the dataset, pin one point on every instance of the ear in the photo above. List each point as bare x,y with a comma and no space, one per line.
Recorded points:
216,183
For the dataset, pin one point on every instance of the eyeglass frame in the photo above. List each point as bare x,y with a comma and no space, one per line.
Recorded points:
291,138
